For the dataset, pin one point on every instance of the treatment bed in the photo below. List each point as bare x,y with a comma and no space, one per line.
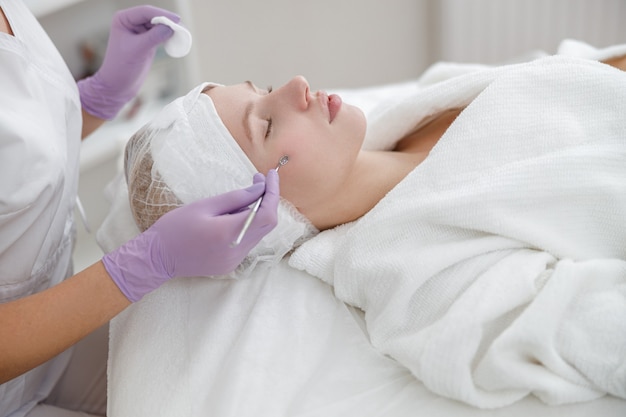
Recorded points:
278,343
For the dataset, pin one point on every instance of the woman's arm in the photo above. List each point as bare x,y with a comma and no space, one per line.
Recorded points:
192,240
90,123
36,328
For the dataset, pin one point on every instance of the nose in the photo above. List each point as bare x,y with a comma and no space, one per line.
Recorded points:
297,92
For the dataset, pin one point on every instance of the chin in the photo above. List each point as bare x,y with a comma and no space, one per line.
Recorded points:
355,121
362,123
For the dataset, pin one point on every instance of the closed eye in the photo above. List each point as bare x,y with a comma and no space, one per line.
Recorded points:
269,128
269,120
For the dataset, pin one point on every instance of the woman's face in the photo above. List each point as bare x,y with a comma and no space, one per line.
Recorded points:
321,135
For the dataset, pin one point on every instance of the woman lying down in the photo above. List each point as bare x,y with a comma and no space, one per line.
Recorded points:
477,217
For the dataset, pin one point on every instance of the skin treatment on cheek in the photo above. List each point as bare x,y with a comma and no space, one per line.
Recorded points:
421,217
187,153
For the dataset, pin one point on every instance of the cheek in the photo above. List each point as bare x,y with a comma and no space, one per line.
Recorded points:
320,158
299,176
296,142
313,174
301,165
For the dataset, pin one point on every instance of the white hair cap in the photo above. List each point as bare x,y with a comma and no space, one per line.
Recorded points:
185,154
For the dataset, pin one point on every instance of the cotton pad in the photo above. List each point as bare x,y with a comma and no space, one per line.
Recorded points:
179,44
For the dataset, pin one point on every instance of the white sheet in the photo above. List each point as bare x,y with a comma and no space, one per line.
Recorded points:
278,344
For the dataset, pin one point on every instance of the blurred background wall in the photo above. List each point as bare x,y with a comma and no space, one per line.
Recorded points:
493,31
347,43
351,43
334,43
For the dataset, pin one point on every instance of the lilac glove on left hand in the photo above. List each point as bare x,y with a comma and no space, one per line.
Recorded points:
195,240
132,44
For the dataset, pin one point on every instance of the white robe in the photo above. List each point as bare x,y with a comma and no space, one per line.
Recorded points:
497,268
40,130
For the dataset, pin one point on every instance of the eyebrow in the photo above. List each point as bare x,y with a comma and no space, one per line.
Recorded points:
247,112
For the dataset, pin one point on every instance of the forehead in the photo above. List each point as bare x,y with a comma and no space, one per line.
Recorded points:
231,103
231,94
228,97
229,100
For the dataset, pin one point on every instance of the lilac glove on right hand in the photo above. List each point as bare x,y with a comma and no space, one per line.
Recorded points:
195,240
132,44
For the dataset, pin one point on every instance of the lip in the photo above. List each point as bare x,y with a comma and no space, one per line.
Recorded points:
331,104
334,105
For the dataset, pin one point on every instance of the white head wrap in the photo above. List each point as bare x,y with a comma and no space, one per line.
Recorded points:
185,154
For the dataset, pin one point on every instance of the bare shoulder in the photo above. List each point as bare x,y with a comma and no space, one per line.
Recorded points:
618,62
427,136
4,23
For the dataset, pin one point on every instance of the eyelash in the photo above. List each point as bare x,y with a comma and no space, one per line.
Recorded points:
269,121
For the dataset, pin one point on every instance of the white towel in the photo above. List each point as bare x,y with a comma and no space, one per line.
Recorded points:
496,268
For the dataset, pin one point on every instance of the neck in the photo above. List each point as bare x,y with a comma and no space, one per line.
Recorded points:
375,174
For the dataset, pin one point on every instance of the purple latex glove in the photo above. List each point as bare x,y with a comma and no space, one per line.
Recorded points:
195,240
132,44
